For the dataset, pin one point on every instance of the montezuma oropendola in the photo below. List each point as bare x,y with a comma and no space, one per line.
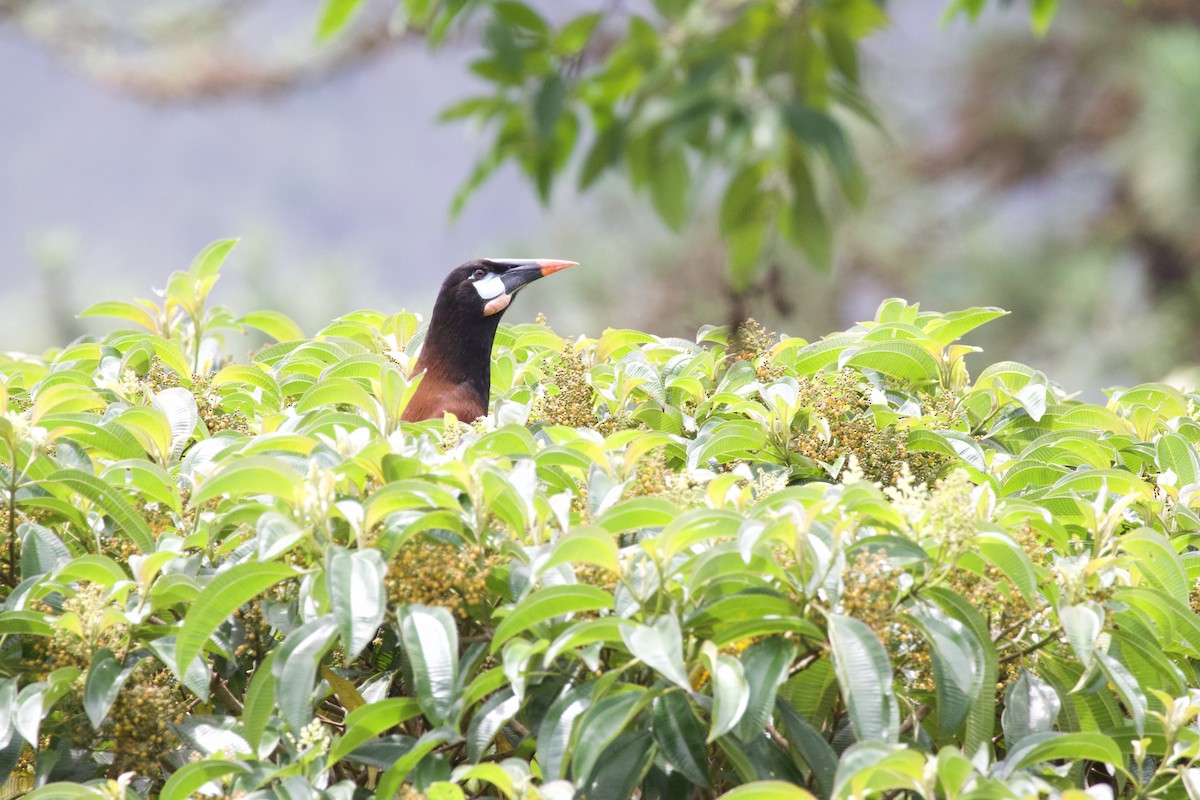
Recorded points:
456,356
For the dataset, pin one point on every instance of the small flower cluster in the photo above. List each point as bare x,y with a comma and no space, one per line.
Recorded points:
251,634
870,588
89,621
208,402
849,429
314,735
141,720
651,475
571,405
160,377
946,516
161,519
597,576
752,342
437,573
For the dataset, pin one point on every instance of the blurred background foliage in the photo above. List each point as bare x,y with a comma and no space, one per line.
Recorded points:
902,150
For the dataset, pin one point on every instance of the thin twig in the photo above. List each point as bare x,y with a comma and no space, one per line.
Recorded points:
921,713
1031,649
221,689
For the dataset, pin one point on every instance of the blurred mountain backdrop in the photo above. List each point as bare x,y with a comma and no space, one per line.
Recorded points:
1058,177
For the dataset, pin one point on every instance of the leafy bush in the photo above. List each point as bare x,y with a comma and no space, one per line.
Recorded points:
741,566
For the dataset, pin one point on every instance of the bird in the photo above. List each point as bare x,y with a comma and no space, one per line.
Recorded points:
456,356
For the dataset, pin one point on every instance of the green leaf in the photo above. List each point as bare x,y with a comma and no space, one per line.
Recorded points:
604,153
767,790
486,722
868,769
742,204
259,703
803,221
1132,696
725,440
209,261
555,733
1175,453
109,500
548,104
638,514
365,723
949,328
730,691
1031,706
581,634
896,359
587,544
354,581
223,595
620,768
253,375
32,623
766,664
495,774
745,245
276,324
1091,746
430,641
105,678
151,428
817,129
178,407
660,646
148,478
520,15
252,475
670,187
64,791
958,665
131,312
813,357
693,527
809,745
680,736
389,782
63,398
335,16
1011,559
186,780
602,723
1041,14
41,550
1083,623
338,391
1156,560
295,669
576,34
547,603
864,674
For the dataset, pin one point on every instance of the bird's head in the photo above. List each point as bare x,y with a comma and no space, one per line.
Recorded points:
456,356
489,284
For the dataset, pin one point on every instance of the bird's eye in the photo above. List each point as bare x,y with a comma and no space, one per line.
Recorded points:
479,273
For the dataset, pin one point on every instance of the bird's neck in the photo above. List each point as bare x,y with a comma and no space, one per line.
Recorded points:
458,348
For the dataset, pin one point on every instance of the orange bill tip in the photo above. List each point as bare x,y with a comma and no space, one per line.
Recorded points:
550,265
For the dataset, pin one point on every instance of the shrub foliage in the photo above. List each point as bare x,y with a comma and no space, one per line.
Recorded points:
742,566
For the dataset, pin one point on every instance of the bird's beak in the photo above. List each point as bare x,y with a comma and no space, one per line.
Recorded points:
526,272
